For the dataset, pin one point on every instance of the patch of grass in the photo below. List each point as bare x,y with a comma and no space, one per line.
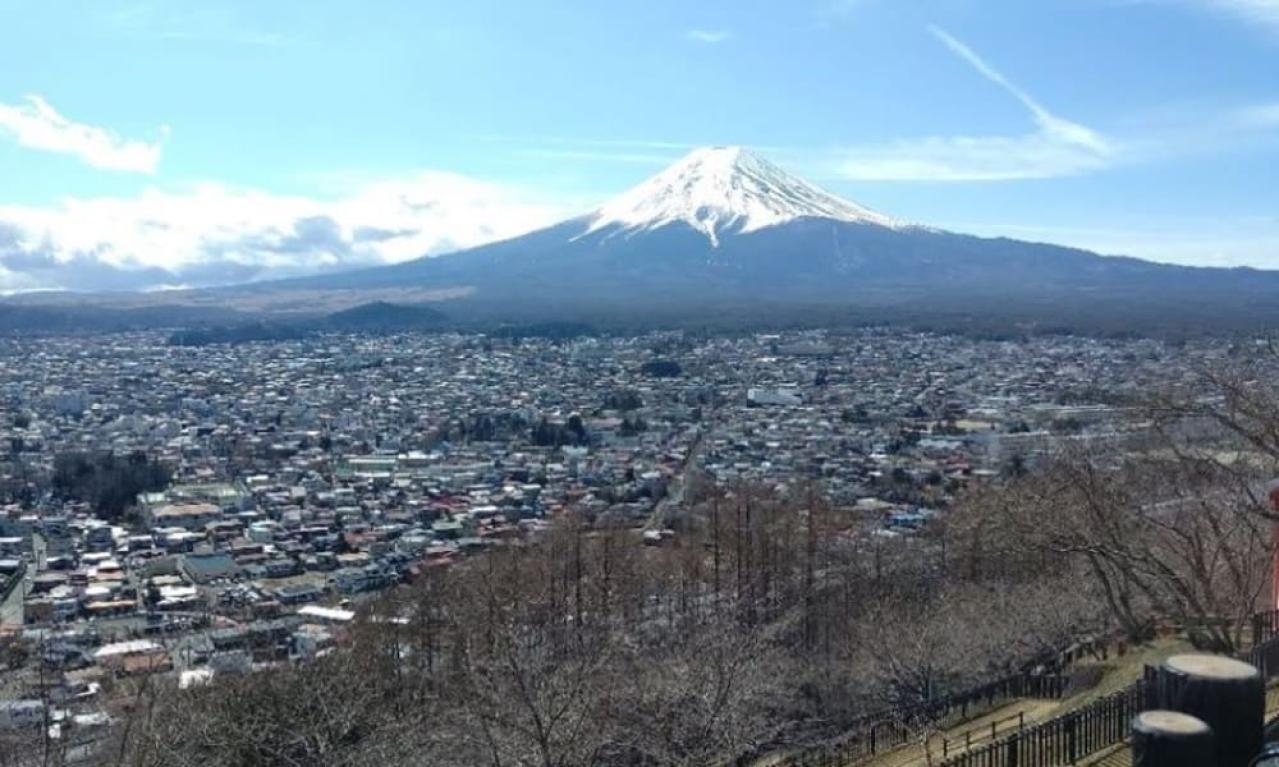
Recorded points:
1120,672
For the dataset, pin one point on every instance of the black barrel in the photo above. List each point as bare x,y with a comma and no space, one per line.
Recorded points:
1171,739
1227,694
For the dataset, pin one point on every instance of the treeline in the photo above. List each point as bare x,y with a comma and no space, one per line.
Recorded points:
546,433
661,368
109,483
377,317
491,426
1174,530
980,317
555,330
236,334
762,625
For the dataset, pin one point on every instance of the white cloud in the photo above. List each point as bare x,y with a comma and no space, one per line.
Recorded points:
1263,12
967,158
37,125
214,234
1259,116
1058,147
709,36
1050,124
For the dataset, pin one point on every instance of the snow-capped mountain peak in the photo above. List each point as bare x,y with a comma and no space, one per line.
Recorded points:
716,188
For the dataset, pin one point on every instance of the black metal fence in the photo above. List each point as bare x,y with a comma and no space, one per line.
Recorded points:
1265,657
1063,740
887,730
1101,724
987,732
1060,741
1265,626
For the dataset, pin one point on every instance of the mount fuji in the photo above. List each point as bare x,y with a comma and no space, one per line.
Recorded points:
725,227
724,189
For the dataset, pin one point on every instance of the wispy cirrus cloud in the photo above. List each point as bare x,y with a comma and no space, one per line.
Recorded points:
1051,124
966,158
708,36
35,124
1057,147
1259,116
1260,12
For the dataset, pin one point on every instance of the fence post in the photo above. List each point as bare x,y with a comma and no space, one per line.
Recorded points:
1070,739
1013,742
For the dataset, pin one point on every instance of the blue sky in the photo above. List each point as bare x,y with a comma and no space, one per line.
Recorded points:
174,142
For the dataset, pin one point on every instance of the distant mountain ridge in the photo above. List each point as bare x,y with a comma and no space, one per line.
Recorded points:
723,233
724,225
375,317
382,316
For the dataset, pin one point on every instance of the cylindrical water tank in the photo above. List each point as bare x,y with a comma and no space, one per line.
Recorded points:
1227,694
1171,739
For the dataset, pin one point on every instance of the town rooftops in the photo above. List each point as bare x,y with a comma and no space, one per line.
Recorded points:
183,510
204,567
328,614
131,647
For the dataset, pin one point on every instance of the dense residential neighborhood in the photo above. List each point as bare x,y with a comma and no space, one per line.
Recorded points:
274,486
